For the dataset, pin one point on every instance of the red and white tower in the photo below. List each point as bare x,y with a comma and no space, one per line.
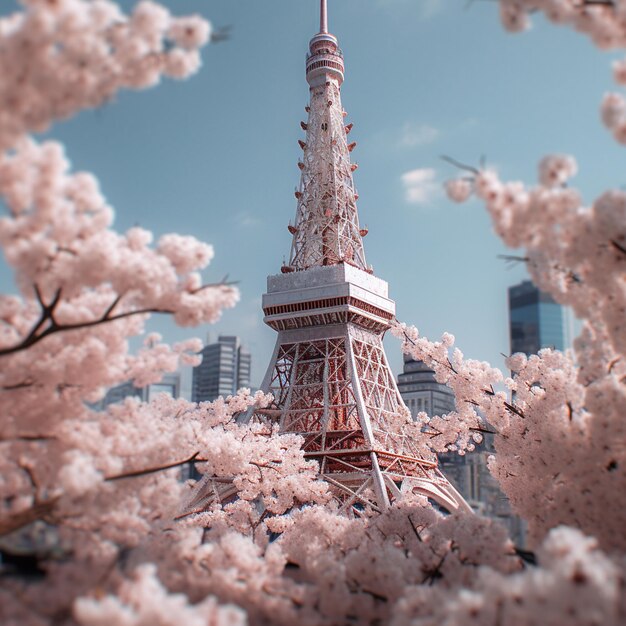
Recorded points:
329,374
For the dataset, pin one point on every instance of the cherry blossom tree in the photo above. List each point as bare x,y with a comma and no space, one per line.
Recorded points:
93,502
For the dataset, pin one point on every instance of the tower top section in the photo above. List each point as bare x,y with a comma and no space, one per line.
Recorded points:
325,58
327,230
323,16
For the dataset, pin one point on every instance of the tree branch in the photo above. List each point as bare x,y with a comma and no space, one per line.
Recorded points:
483,430
34,337
36,512
153,470
23,385
223,283
115,302
618,246
32,438
461,166
47,315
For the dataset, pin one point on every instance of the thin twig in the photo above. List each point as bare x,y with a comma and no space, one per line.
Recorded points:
618,246
461,166
478,429
152,470
23,385
223,283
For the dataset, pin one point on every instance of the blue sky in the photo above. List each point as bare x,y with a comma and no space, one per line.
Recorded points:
216,156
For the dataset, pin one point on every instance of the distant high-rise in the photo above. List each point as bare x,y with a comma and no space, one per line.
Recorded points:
169,384
422,393
536,321
225,368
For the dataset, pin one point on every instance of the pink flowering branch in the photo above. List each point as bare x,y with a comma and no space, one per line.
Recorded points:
58,58
487,392
38,333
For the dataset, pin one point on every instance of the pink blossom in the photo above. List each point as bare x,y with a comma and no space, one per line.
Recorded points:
513,16
458,190
487,185
619,71
556,170
144,600
190,32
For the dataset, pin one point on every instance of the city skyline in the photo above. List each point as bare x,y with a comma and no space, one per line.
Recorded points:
204,167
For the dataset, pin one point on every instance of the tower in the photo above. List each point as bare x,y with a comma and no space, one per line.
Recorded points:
329,375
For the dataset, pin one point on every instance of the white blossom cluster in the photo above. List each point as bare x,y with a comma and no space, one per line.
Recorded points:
61,56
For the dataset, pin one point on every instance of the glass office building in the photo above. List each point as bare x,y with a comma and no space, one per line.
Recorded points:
225,369
536,321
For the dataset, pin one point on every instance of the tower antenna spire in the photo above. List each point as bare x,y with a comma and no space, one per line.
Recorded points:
323,16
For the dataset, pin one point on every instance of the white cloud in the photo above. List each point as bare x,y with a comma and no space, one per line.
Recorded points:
418,135
421,186
247,219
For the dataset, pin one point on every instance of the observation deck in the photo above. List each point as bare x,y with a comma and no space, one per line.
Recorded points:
321,296
324,58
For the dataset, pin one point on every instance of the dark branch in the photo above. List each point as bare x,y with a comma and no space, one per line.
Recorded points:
461,166
23,385
526,555
153,470
417,534
47,315
483,430
513,259
36,512
32,438
107,313
224,283
618,246
34,337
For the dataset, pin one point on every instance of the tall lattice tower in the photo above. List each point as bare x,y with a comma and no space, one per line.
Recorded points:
329,374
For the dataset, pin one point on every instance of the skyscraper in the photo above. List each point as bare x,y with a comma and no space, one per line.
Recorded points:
422,393
536,321
225,368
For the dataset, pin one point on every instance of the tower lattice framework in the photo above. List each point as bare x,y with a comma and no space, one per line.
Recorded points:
329,374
